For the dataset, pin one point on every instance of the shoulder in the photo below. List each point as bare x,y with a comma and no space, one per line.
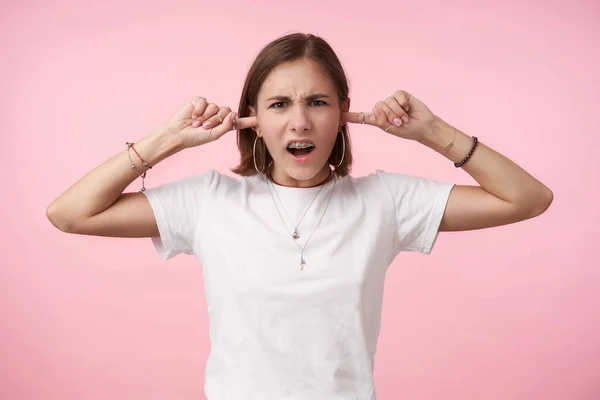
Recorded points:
220,181
204,182
383,179
212,179
221,186
398,184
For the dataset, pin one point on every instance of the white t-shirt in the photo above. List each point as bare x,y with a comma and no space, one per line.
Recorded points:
278,332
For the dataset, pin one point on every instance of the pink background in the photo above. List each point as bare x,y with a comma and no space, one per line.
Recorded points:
505,313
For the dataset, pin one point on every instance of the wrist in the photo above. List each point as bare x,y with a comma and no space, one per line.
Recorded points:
447,140
438,136
158,145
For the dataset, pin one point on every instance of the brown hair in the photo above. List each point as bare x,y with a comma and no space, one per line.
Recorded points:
285,49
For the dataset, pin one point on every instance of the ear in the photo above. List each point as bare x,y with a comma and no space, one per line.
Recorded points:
344,108
252,114
346,105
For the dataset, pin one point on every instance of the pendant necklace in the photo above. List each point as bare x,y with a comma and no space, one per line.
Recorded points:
296,234
302,248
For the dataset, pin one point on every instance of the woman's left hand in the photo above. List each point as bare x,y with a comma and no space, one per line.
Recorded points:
399,114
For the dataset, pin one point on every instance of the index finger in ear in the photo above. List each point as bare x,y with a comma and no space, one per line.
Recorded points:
245,122
357,118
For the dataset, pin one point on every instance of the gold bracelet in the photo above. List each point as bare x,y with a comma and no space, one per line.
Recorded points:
447,148
134,169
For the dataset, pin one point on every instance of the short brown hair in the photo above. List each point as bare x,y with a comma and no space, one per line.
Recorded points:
288,48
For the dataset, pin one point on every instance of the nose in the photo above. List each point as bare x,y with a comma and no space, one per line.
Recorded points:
299,118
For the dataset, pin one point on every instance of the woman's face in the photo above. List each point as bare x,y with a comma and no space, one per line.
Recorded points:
298,106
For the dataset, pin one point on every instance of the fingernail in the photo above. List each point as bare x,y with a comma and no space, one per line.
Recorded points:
194,116
207,124
233,116
376,112
196,124
397,121
405,118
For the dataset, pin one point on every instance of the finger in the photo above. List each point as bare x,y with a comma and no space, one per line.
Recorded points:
211,110
246,122
400,115
217,118
390,116
199,104
382,121
357,118
224,127
403,98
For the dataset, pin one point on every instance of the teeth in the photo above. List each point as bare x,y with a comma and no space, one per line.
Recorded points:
300,145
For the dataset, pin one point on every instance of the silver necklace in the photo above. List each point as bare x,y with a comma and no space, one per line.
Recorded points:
295,234
302,248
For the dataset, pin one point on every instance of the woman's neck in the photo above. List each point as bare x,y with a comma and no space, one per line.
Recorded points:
319,179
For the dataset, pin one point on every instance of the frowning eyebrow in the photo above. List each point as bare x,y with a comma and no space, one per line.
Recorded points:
308,98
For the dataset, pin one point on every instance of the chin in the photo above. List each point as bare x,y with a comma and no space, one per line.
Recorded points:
302,171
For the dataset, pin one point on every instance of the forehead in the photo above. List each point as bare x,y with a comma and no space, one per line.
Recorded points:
297,78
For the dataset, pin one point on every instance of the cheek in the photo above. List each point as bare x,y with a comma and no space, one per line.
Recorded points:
329,126
331,138
329,119
270,126
272,132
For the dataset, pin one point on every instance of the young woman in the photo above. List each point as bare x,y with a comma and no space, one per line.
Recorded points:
294,250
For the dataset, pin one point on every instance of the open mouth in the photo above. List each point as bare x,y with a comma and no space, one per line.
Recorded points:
300,149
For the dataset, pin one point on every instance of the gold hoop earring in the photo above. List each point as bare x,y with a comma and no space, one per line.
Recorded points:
254,156
343,149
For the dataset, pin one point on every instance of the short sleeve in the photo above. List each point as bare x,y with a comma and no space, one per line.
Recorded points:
419,206
177,207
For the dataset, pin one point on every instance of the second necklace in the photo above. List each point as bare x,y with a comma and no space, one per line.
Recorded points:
296,234
302,248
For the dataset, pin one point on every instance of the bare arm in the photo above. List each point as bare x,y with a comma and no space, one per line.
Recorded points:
96,204
507,193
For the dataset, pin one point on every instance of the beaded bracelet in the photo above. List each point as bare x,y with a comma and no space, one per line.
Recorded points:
133,167
464,160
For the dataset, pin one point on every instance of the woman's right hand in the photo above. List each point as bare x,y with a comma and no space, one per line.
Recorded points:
199,122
